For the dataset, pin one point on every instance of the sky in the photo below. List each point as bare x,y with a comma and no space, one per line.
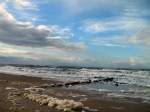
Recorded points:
106,33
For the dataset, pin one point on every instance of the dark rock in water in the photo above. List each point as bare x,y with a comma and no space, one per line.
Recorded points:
86,82
108,79
72,83
45,86
53,85
98,77
59,85
116,84
56,85
77,83
95,80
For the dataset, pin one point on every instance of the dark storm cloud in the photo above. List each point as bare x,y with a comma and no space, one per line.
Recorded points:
21,33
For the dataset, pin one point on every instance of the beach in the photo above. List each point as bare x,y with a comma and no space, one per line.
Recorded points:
74,55
92,101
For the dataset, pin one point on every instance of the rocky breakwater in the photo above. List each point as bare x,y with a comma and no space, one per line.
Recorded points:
83,82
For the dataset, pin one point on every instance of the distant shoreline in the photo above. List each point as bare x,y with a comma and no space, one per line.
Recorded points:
77,67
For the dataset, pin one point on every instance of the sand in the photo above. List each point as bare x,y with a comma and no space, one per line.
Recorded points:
13,88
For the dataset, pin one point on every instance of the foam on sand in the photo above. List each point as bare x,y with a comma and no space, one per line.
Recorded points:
59,104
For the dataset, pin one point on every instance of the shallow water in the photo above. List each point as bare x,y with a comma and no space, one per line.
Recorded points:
131,83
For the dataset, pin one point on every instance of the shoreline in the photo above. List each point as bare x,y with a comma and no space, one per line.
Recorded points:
95,102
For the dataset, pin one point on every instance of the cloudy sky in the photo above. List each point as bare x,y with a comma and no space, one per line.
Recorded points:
110,33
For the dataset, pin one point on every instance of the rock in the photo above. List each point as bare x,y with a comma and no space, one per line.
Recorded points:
72,83
45,86
108,79
95,80
57,85
52,85
116,84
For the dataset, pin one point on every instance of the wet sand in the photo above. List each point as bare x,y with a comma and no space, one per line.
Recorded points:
93,101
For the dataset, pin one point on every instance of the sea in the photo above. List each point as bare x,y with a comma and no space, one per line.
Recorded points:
130,83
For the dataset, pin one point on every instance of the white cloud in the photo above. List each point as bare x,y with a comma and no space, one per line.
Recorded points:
80,6
114,24
22,33
107,42
129,18
75,7
45,55
94,26
134,61
130,22
57,30
140,38
13,51
22,4
25,8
